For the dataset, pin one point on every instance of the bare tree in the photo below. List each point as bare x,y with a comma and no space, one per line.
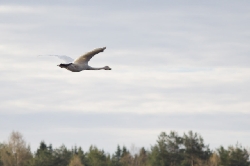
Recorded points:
141,158
15,152
214,160
75,161
127,160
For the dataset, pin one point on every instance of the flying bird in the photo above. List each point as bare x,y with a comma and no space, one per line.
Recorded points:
81,63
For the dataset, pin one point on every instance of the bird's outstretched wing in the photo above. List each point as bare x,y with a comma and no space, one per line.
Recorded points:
67,59
87,56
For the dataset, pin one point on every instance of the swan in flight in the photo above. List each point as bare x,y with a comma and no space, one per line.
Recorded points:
81,63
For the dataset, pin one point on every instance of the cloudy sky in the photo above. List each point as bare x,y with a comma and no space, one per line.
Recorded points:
176,65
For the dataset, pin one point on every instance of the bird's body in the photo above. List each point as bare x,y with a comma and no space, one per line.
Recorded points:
81,63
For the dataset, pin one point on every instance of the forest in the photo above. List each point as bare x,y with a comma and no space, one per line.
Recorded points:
169,150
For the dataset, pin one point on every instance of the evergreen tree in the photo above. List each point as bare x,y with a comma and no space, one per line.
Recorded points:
82,156
195,150
62,156
224,155
118,153
124,151
126,159
43,156
159,154
117,156
175,148
96,157
162,147
234,156
169,150
1,147
238,156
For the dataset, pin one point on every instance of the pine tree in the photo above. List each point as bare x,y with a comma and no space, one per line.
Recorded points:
195,149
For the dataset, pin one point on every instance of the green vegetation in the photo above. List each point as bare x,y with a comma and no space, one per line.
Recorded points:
169,150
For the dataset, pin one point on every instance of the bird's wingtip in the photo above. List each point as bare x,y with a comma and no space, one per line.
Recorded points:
102,49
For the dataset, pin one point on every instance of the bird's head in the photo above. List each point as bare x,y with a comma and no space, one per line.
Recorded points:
61,66
107,68
64,65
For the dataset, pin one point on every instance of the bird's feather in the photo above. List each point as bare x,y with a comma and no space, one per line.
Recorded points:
67,59
87,56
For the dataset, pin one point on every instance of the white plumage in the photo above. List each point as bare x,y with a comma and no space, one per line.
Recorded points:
81,63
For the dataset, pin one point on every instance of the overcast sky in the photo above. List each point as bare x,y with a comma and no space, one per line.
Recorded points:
176,65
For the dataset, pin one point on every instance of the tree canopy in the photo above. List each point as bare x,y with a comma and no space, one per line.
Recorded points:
169,150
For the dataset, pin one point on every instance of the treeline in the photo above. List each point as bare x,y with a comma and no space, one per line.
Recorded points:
169,150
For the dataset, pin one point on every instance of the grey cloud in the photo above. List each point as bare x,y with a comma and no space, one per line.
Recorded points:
46,85
178,36
110,128
168,57
207,121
